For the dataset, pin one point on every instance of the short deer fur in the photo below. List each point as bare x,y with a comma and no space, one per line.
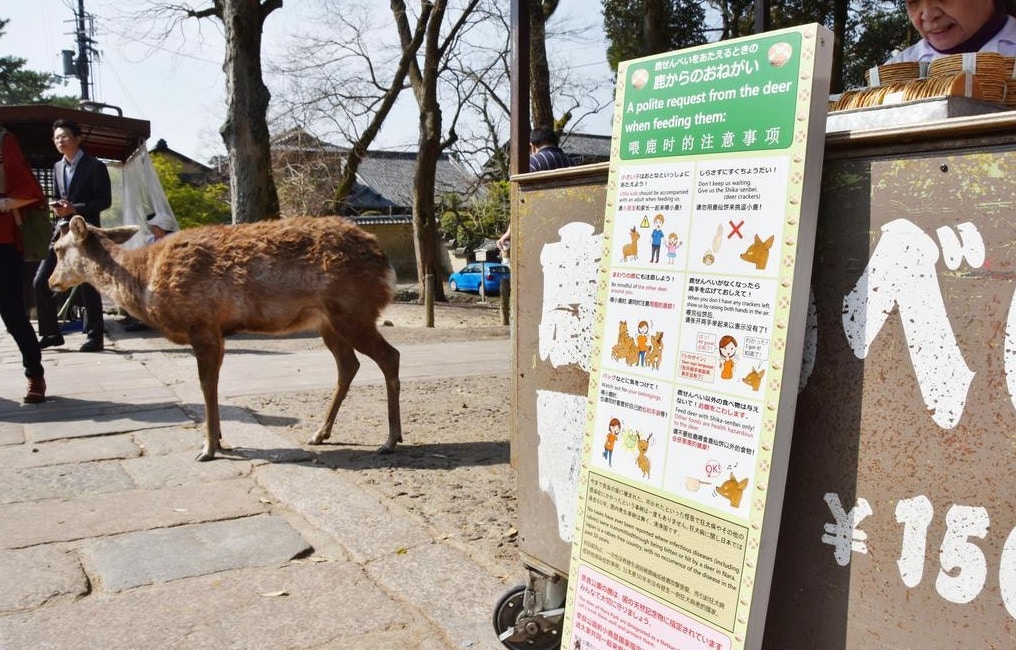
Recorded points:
203,284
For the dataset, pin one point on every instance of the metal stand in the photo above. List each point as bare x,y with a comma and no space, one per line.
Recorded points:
62,314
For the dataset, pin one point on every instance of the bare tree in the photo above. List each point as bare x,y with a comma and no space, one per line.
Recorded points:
245,131
347,83
542,107
423,77
572,97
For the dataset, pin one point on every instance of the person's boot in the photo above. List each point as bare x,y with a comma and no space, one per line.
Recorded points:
36,393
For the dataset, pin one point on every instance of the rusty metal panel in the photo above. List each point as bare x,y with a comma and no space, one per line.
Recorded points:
543,204
898,516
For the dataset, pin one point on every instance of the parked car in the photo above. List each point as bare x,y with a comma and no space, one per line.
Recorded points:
468,279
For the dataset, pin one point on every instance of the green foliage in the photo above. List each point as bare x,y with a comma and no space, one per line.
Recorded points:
20,86
487,218
638,28
875,28
192,205
873,31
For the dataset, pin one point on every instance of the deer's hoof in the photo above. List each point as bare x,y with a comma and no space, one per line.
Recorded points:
205,456
320,436
384,450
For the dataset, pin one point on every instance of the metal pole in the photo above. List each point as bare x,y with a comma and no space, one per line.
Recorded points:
519,144
82,51
483,281
762,22
428,299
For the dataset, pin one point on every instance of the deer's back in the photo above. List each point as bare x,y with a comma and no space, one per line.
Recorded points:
269,270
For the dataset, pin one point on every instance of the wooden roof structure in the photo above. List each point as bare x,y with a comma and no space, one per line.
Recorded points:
105,136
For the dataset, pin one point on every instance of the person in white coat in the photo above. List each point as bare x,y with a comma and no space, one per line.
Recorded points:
959,26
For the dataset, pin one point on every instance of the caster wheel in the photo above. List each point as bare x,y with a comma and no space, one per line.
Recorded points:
506,614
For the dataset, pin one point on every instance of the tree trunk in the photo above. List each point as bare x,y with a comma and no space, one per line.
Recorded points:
542,112
424,218
840,8
654,28
245,131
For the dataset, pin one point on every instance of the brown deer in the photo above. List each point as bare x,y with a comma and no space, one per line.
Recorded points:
655,354
754,378
200,285
631,251
758,252
642,461
625,347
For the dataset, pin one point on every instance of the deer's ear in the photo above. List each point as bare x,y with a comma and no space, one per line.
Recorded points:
120,234
78,228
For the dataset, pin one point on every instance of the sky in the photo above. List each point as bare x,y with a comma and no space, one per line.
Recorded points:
179,85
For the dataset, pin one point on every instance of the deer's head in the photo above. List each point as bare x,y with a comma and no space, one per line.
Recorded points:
77,249
758,252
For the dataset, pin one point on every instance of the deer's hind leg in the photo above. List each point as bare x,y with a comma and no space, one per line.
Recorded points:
347,365
209,349
367,340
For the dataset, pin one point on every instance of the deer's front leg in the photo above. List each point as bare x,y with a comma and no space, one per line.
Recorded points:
347,366
209,350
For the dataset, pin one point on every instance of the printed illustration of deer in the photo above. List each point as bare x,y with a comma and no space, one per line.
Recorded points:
643,460
655,354
202,284
733,490
631,250
754,378
625,348
758,252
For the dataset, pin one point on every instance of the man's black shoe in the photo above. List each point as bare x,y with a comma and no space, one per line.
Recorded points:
51,341
91,345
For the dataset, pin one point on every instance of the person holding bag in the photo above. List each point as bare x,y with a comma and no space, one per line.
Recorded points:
19,190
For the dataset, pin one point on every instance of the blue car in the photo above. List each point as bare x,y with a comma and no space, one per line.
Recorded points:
468,279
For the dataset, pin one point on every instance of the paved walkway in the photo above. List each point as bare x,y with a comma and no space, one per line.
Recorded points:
111,536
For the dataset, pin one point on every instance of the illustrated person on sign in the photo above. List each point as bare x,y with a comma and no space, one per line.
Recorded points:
959,26
657,238
613,432
642,341
673,243
728,350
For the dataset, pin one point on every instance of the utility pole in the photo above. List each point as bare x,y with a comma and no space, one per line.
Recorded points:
82,51
79,66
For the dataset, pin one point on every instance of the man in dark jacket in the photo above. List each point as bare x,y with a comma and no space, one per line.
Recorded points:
544,154
82,183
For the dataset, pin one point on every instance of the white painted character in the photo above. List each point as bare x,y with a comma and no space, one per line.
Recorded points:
569,296
843,535
901,273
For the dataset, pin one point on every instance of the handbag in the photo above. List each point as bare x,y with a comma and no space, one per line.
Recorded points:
36,232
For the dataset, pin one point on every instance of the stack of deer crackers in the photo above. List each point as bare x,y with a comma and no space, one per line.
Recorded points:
985,76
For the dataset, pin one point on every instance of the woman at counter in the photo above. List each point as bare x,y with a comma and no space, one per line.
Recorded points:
957,26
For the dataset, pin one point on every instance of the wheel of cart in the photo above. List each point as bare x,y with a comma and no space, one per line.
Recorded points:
529,616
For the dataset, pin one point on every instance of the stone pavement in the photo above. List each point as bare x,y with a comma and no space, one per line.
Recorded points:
112,536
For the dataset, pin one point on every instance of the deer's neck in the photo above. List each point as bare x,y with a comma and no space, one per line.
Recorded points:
124,276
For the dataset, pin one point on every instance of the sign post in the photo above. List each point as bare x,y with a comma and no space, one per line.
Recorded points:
481,257
709,232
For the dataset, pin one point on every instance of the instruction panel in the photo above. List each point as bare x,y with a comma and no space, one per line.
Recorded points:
709,232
